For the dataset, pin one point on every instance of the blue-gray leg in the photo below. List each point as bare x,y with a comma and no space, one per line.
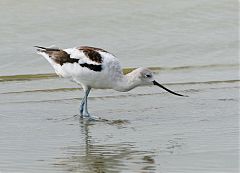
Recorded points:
83,105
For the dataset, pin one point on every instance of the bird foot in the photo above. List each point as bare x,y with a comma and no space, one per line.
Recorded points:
94,118
90,118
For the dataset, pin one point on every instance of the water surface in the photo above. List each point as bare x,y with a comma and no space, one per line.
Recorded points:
193,49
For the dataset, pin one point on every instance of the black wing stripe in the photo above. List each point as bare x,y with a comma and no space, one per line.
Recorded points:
93,67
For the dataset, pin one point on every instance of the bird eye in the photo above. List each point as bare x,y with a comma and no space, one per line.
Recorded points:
148,75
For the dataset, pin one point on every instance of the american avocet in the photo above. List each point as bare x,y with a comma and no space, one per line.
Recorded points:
95,68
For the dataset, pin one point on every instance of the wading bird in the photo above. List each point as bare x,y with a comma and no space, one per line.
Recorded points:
95,68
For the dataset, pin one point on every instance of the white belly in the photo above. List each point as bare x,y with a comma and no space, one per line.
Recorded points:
104,79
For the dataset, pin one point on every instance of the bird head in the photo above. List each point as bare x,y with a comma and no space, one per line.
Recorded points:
146,77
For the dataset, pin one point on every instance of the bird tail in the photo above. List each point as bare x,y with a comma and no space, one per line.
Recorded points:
48,53
46,49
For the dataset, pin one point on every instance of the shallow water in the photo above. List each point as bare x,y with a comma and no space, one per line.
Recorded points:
41,131
193,48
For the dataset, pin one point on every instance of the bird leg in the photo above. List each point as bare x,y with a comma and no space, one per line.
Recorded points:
83,106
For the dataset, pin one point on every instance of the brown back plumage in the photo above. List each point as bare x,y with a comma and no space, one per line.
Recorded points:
58,55
61,57
92,53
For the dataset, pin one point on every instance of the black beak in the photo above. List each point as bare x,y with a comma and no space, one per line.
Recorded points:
158,84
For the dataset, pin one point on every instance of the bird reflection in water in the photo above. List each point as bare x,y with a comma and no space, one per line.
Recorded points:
93,157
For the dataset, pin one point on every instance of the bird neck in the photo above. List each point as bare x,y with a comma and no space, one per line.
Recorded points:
127,82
